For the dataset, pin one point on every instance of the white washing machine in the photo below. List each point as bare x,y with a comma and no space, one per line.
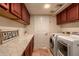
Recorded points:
69,44
53,43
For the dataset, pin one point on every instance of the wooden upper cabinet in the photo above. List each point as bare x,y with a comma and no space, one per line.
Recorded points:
58,19
5,5
16,9
5,11
25,14
72,12
63,17
28,17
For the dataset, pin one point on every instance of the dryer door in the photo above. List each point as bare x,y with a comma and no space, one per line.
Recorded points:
51,43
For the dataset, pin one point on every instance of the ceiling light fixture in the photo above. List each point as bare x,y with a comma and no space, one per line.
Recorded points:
47,6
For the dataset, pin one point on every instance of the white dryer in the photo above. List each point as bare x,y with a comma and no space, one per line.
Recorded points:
53,43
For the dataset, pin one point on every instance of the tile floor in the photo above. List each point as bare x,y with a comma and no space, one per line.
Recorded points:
42,52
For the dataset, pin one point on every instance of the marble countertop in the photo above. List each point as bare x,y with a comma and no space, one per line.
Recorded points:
15,46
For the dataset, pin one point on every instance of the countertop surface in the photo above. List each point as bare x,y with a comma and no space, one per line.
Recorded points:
15,46
69,39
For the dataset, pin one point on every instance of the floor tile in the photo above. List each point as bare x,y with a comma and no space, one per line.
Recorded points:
42,52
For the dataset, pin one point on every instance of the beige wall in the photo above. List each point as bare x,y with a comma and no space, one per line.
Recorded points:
7,25
71,27
30,28
53,25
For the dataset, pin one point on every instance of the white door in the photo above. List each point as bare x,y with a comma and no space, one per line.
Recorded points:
41,28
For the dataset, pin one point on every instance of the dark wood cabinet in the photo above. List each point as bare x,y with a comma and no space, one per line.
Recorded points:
63,17
5,11
72,12
24,17
16,9
29,49
5,5
31,46
25,14
58,19
32,43
28,17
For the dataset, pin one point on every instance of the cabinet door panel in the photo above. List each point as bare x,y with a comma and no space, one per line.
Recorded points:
5,5
63,17
72,12
27,51
25,14
30,48
28,17
16,9
58,19
32,43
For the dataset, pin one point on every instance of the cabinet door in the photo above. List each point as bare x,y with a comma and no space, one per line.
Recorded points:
25,14
28,17
72,12
32,43
58,19
30,48
63,17
5,5
27,51
16,9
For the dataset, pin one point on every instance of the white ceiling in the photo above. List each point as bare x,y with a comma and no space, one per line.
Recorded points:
38,8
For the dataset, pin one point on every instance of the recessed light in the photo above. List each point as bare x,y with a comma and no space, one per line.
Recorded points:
47,6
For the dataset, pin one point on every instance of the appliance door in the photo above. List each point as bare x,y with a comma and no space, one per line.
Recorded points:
55,45
51,44
62,49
